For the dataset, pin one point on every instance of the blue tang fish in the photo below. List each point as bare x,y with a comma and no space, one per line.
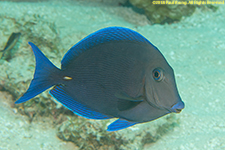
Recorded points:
112,73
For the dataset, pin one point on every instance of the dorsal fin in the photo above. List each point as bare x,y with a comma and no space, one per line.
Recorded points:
102,36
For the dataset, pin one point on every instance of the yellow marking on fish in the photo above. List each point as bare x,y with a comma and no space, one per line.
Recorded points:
67,78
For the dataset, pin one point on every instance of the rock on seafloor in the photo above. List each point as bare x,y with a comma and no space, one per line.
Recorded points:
167,11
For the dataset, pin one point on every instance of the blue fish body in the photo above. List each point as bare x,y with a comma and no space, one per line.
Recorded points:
113,73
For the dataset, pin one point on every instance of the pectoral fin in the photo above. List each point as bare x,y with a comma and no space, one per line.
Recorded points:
126,102
125,96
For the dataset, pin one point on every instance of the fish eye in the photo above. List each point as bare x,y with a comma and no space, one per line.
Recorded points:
157,74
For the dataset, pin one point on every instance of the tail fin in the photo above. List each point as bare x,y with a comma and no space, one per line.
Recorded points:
43,76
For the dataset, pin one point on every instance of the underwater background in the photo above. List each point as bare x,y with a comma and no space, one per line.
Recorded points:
191,37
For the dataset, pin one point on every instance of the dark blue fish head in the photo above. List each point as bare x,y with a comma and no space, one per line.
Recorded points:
161,89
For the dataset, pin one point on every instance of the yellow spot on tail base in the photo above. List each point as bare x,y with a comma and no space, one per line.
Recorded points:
67,78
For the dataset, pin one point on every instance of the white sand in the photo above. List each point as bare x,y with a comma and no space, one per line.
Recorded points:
195,48
16,133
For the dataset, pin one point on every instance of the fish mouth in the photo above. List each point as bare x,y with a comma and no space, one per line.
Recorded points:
178,110
177,107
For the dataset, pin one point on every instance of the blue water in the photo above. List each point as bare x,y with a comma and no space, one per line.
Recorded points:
194,47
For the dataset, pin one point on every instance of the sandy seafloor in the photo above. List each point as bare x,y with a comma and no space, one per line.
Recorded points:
194,47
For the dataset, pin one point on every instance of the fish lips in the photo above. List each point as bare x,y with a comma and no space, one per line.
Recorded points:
177,107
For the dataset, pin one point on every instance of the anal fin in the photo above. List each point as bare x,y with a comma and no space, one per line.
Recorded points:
60,94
